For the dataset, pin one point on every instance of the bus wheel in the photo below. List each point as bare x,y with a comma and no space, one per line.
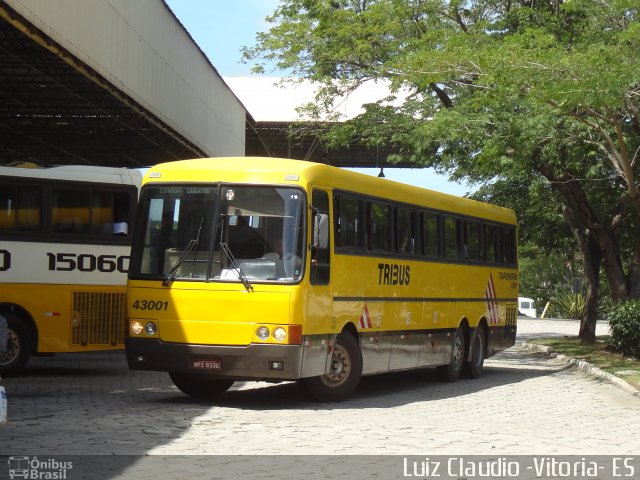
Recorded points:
451,371
200,386
346,370
473,367
19,345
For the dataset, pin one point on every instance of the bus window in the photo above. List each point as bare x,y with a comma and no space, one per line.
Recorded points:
451,246
378,227
472,243
508,245
177,219
321,255
405,231
70,211
20,208
492,244
110,213
348,232
429,234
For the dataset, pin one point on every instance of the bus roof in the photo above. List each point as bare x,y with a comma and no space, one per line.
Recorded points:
84,173
297,172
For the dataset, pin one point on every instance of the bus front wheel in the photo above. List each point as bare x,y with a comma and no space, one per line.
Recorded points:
344,375
200,386
451,371
19,345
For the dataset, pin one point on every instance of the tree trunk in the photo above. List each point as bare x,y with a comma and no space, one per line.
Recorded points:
634,279
591,261
584,217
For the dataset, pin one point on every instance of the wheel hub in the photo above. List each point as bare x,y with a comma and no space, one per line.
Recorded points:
339,367
13,349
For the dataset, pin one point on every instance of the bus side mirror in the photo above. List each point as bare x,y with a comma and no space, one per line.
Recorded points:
321,230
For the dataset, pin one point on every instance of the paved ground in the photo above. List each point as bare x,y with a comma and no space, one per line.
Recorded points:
529,328
525,403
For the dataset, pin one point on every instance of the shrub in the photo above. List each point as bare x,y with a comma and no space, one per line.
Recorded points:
567,304
624,320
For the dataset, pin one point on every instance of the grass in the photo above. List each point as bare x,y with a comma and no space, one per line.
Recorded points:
596,354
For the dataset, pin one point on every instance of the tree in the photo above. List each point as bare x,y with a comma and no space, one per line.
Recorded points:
493,89
548,260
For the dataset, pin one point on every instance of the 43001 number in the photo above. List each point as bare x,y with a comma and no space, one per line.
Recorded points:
150,305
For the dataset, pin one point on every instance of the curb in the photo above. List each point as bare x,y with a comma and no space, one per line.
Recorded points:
583,366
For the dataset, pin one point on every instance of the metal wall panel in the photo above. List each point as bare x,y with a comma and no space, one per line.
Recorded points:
142,49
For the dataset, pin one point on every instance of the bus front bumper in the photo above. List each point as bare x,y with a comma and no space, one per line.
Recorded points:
251,362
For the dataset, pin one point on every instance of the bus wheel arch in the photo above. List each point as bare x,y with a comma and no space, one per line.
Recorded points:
477,352
345,370
22,339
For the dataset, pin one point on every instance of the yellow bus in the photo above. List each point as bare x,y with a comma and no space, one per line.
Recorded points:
273,269
64,257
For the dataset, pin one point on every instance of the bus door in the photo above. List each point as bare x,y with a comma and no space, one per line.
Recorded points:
319,320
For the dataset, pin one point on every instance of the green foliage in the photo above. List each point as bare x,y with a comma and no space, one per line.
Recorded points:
624,321
567,304
543,274
529,96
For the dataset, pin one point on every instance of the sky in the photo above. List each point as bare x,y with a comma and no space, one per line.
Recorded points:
222,27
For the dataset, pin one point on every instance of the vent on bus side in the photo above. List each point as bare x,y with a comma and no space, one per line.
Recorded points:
98,318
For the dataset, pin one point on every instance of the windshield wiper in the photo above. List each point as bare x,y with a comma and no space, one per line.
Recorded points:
193,243
236,267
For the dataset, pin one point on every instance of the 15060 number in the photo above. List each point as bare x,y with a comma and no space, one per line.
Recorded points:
150,305
86,262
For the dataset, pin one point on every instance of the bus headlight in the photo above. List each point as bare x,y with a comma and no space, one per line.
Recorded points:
280,334
263,333
136,327
150,328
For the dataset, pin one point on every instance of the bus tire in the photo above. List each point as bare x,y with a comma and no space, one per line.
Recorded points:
473,367
200,386
19,346
451,371
346,370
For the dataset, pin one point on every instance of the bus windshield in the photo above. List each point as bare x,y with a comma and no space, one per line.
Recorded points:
226,233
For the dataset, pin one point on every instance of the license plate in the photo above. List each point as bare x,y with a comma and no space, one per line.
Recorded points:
206,364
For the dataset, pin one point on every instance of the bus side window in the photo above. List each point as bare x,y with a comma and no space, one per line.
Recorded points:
430,236
7,207
320,254
451,243
405,231
20,208
348,224
70,212
378,227
472,240
110,213
492,243
508,245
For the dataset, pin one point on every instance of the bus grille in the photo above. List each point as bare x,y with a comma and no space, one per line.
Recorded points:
98,318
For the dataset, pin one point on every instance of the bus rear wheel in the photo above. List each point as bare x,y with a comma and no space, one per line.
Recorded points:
346,370
473,367
200,386
451,371
19,346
